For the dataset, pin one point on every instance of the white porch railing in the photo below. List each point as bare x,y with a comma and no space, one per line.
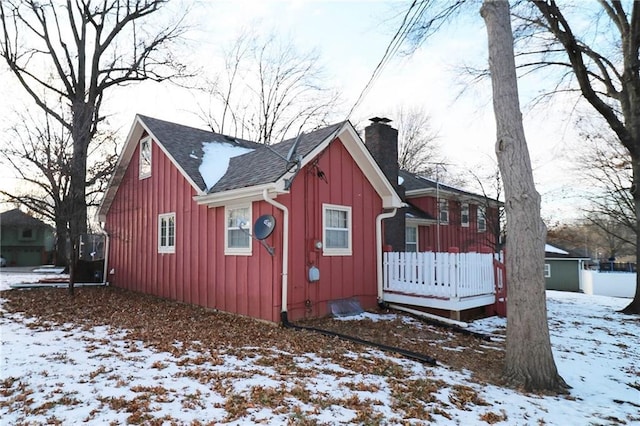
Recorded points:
450,276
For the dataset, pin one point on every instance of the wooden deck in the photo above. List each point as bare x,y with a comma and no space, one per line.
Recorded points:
448,281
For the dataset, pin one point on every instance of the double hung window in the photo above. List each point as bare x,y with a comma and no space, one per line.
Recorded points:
167,233
336,225
237,232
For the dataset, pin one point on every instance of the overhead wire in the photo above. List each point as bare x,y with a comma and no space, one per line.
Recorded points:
409,20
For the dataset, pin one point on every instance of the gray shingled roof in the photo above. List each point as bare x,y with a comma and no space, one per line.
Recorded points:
17,217
414,182
417,213
260,166
184,143
264,165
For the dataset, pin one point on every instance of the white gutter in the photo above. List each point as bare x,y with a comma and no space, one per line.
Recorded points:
430,316
285,245
379,220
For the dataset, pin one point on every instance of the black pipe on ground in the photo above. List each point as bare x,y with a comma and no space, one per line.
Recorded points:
442,324
407,354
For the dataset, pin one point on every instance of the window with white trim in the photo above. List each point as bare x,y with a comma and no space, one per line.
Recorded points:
547,270
482,219
145,158
237,237
443,211
411,239
336,230
464,215
167,233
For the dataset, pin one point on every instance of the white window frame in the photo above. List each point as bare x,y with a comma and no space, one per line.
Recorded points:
237,251
166,247
336,251
443,211
547,270
144,169
481,217
407,242
464,207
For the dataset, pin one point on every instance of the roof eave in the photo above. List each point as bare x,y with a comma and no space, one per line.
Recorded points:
566,258
361,155
420,221
444,193
240,195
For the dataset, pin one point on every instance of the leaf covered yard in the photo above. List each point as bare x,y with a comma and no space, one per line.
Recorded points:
111,356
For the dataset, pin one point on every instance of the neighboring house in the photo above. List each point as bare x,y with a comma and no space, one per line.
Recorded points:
562,269
25,240
438,217
446,219
182,201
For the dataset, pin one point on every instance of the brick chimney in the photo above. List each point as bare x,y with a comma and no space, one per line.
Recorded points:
382,141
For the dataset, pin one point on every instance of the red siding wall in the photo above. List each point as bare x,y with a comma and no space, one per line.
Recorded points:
340,276
452,234
200,273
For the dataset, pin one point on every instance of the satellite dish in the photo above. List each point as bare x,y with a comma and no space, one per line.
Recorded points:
264,226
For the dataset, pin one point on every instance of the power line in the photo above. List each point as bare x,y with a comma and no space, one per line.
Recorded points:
408,21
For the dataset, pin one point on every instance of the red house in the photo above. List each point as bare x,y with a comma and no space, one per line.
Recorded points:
437,217
442,218
180,207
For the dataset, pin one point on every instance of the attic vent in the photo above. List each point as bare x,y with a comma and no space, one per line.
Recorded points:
230,138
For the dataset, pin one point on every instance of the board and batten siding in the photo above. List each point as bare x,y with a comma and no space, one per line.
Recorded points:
340,276
198,272
453,234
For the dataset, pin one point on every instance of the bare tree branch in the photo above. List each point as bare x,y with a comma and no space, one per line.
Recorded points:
269,90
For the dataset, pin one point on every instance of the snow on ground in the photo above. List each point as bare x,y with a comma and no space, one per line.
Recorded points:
72,375
10,276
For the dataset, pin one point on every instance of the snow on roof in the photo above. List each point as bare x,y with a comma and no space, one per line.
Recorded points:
548,248
215,160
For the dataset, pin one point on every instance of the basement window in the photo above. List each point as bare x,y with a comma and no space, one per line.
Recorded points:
336,230
145,158
167,233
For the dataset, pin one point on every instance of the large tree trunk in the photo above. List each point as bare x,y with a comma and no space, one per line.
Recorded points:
61,242
634,306
81,135
529,361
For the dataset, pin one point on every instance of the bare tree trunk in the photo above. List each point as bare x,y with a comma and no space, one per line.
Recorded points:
634,306
529,361
81,134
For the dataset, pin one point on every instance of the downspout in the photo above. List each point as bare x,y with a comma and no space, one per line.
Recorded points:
106,253
285,250
379,220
